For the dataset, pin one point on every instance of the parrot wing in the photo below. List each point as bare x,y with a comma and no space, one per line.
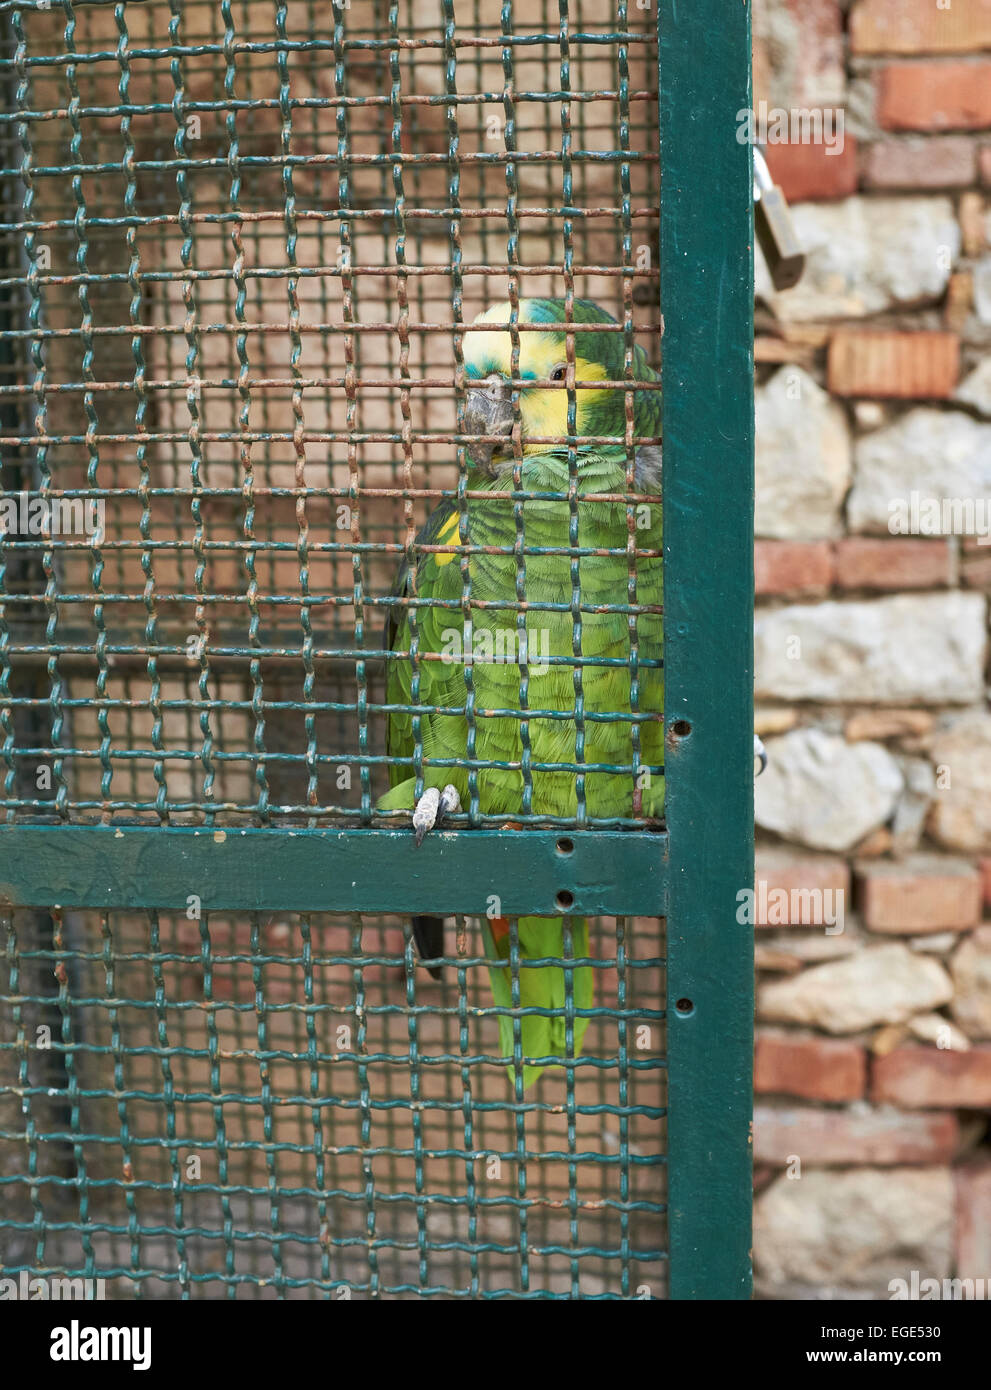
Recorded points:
433,575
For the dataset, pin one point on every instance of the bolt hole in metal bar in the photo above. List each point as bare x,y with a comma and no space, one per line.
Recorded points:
243,245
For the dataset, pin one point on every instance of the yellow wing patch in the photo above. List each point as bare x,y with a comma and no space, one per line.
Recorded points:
448,535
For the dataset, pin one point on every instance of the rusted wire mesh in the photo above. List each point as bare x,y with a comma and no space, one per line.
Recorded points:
240,237
242,242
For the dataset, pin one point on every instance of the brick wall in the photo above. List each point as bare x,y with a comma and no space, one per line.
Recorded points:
873,1063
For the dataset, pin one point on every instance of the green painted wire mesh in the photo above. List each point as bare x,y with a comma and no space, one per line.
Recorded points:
253,1106
236,237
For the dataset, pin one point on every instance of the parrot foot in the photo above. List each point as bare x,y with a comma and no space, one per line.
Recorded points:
432,807
760,755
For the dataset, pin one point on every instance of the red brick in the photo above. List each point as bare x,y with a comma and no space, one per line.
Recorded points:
863,562
984,867
832,1137
930,1078
781,871
934,96
921,893
805,172
910,365
973,1220
792,567
813,1068
948,161
920,26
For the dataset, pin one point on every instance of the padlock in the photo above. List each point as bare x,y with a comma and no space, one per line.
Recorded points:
775,229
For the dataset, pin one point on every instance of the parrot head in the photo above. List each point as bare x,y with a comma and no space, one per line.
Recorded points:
544,358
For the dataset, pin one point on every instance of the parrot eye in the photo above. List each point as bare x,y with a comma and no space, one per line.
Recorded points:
560,372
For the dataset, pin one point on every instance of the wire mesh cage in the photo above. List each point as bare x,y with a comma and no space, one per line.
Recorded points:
255,1106
262,224
246,248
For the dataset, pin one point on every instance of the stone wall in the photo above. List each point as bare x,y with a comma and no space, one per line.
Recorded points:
873,1062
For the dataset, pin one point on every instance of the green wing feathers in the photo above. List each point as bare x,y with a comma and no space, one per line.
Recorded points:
441,684
628,678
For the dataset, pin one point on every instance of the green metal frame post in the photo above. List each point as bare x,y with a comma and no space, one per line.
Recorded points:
707,298
692,872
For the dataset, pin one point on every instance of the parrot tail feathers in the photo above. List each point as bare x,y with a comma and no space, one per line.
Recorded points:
428,934
555,990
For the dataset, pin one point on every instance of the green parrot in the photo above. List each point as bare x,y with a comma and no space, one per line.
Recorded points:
495,645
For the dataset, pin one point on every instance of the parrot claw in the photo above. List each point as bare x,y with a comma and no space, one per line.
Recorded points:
432,807
760,755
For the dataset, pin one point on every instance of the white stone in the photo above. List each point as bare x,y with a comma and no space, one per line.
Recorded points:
975,389
805,947
934,454
869,255
861,1228
934,1028
939,943
982,289
870,415
913,806
971,971
961,811
803,48
924,649
803,458
884,984
823,792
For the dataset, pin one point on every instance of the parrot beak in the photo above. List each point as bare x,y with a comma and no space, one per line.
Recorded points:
488,411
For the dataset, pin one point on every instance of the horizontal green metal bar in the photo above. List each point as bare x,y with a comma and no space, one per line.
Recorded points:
508,872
